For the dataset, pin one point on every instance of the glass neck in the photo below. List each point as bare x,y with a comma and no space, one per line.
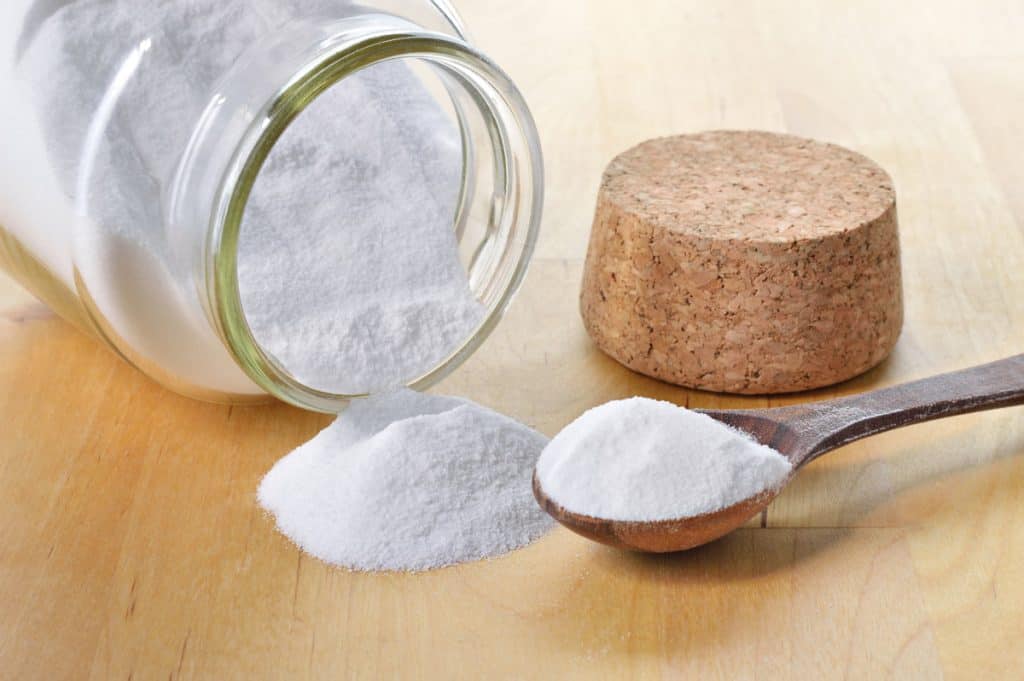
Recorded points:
266,91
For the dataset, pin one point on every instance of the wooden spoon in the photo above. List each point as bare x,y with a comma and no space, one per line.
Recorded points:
802,433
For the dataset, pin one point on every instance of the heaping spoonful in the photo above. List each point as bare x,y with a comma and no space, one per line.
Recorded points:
802,433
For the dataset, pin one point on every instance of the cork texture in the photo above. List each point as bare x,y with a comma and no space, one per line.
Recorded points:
744,262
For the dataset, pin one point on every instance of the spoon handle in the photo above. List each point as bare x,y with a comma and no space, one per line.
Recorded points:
828,425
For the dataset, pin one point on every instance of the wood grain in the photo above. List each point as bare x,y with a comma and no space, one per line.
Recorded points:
804,432
131,545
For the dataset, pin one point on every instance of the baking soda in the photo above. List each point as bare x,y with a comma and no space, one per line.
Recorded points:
348,262
407,481
641,459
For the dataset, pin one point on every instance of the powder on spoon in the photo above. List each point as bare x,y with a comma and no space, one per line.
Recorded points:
407,481
645,460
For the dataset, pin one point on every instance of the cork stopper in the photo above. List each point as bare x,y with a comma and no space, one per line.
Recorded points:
744,262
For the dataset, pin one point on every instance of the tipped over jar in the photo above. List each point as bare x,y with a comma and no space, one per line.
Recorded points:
309,199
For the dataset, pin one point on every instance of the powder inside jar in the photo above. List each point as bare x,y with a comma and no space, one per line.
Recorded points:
349,265
646,460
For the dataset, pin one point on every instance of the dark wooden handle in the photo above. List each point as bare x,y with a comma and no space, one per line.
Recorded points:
804,432
844,420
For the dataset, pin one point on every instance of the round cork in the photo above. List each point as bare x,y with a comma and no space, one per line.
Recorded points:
744,262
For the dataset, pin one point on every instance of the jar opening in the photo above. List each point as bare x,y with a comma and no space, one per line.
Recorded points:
441,161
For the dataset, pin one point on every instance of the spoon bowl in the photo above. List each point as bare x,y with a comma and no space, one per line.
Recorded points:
656,536
802,433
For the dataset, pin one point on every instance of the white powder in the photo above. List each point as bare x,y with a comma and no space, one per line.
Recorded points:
643,459
407,481
348,264
348,261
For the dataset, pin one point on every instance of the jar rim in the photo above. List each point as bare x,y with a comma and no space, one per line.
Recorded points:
516,143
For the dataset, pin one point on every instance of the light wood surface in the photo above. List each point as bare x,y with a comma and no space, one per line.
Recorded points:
131,546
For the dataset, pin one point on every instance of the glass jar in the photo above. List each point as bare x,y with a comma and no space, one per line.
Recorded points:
174,309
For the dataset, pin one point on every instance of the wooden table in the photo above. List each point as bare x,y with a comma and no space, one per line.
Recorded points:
131,546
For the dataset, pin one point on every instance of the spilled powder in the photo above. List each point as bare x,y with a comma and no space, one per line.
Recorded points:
642,459
407,481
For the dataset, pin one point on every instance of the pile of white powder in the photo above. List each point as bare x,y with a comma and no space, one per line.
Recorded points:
642,459
407,481
349,268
